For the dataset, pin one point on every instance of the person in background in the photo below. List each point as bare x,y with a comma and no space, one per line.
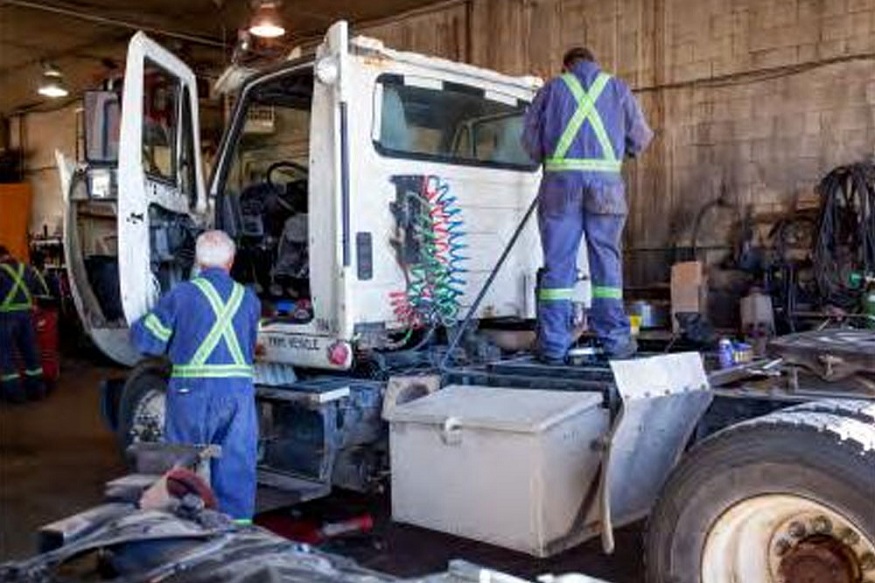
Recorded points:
207,327
20,284
580,126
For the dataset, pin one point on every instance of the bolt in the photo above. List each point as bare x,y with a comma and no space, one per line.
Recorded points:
867,562
821,525
796,529
781,547
849,537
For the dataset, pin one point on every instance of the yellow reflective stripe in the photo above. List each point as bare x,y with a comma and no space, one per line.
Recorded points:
211,371
589,165
34,372
555,294
607,292
17,284
157,328
15,308
586,110
9,377
223,326
243,521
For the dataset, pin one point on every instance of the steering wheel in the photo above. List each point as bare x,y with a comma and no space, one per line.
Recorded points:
283,165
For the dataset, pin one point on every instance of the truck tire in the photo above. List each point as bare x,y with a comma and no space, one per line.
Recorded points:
141,407
787,497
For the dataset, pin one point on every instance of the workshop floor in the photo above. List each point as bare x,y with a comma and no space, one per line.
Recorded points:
55,456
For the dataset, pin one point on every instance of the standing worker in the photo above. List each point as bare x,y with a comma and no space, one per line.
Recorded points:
19,285
207,327
580,126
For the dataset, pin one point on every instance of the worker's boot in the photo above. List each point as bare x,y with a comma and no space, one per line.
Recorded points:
35,388
12,391
622,351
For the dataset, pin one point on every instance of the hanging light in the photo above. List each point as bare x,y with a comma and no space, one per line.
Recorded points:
266,20
52,84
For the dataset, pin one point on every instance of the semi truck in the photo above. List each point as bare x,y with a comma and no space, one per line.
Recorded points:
380,202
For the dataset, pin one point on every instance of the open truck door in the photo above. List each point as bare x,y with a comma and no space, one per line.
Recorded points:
162,201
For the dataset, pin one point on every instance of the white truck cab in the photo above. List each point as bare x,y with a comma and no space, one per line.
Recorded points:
370,192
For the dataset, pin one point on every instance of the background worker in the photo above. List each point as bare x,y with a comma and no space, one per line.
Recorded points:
19,285
207,327
580,126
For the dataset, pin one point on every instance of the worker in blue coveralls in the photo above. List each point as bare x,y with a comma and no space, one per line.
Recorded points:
19,285
207,327
580,126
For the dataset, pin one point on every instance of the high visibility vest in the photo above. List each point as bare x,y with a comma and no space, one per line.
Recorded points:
586,111
223,329
18,299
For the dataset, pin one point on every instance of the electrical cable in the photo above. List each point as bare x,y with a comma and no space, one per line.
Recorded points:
845,241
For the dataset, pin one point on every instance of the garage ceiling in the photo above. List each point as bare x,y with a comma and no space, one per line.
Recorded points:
86,39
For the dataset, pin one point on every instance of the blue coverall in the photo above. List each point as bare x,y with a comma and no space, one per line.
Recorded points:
19,284
208,327
580,126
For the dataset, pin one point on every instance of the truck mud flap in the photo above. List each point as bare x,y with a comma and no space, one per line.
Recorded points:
662,400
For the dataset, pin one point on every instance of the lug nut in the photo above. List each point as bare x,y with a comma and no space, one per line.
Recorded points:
781,547
849,537
796,529
821,525
867,562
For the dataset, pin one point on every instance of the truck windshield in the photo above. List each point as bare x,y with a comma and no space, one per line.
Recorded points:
426,119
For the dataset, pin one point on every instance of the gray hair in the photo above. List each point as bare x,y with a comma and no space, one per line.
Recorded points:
214,249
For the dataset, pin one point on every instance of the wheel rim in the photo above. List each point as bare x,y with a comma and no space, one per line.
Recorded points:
147,424
786,539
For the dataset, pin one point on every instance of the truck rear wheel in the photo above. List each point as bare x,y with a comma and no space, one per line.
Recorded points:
789,498
141,408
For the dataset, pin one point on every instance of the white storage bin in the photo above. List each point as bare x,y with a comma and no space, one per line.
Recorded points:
504,466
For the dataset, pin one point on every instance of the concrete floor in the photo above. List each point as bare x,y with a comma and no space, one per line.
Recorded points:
55,456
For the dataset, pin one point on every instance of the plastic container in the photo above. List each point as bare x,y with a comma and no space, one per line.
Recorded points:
725,353
509,467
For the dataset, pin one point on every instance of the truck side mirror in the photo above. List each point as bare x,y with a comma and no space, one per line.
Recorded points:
102,119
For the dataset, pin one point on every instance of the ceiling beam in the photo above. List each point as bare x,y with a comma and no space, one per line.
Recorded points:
74,12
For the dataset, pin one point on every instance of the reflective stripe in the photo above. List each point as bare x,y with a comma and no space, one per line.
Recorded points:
243,521
607,292
34,372
223,327
213,371
552,165
556,294
9,377
18,284
158,329
586,111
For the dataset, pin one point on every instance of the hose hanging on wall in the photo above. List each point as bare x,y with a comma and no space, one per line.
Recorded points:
431,253
845,243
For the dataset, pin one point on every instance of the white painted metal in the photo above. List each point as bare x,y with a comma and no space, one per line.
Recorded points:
113,340
505,466
742,545
137,191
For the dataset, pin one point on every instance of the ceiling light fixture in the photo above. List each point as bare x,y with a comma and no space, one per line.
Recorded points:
266,20
52,84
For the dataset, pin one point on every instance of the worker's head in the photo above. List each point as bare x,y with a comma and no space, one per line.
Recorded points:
576,55
215,249
4,253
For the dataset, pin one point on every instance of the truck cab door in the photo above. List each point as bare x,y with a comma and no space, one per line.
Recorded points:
162,200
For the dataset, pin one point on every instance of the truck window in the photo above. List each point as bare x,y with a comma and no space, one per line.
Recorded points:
448,122
160,102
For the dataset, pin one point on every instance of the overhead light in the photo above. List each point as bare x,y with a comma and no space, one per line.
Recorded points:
266,20
52,84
